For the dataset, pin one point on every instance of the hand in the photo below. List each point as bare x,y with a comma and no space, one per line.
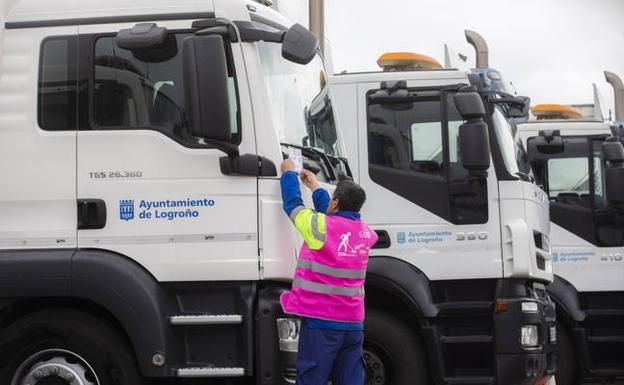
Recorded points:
287,165
309,180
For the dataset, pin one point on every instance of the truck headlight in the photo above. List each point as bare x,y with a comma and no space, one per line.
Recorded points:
530,307
545,243
529,336
288,333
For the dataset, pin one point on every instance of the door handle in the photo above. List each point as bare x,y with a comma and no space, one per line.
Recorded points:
383,240
91,214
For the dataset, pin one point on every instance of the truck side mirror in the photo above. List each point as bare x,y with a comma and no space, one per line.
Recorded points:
518,107
474,142
299,45
206,91
141,36
614,174
549,142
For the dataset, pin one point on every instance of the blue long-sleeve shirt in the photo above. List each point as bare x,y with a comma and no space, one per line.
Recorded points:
291,198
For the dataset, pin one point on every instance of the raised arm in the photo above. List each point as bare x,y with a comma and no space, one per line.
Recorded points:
320,196
309,223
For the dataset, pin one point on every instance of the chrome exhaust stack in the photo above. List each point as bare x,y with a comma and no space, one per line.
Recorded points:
317,21
481,48
618,93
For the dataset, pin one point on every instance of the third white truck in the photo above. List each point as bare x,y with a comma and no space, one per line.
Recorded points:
578,158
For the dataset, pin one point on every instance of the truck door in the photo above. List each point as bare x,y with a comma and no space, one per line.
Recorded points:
38,139
431,210
147,189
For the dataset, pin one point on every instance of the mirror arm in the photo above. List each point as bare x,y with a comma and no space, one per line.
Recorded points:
248,32
229,149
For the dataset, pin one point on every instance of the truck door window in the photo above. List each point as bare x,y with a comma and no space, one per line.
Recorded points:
413,151
407,140
144,89
57,84
575,183
568,180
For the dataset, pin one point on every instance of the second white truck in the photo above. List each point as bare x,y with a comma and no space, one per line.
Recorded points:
463,247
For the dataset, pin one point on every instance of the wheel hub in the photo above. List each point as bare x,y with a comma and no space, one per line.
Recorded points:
55,366
375,369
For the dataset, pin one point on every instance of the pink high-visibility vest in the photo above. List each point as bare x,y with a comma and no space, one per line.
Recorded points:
329,283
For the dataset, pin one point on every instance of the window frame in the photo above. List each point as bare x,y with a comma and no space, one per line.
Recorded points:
40,72
86,71
582,221
443,208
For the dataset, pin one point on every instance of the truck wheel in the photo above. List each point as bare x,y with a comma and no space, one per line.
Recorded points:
567,367
64,347
394,355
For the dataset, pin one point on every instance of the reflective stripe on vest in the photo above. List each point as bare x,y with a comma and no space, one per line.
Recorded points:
296,210
328,289
332,271
315,229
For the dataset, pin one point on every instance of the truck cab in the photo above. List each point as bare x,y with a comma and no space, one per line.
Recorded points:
577,157
463,229
141,225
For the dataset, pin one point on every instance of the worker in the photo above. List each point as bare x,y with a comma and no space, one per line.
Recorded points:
328,288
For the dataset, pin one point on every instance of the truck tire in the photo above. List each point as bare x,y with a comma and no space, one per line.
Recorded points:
394,355
64,345
567,365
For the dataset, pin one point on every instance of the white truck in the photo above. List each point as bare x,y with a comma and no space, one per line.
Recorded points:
463,250
579,159
141,225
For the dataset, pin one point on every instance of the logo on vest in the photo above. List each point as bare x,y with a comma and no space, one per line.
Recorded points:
346,250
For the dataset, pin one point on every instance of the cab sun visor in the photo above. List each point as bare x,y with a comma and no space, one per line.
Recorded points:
549,142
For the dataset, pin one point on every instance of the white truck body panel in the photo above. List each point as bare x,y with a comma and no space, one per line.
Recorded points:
587,267
50,170
38,206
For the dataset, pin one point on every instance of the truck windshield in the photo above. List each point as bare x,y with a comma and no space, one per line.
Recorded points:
512,150
300,102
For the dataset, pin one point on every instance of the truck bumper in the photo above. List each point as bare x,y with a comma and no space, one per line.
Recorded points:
532,358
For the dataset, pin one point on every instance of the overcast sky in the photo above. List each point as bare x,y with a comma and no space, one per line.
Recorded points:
552,50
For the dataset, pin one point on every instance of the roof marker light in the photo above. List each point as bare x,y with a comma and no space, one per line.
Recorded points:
402,61
555,111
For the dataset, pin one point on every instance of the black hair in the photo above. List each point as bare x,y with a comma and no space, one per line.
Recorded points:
350,195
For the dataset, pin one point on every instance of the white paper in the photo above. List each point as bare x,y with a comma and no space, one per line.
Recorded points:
295,154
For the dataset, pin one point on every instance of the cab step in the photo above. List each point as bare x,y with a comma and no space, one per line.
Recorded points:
206,319
469,380
202,372
470,339
606,339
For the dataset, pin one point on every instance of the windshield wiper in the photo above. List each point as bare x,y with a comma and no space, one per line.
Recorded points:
316,154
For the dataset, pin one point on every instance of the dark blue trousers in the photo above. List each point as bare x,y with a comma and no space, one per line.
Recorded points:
327,354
